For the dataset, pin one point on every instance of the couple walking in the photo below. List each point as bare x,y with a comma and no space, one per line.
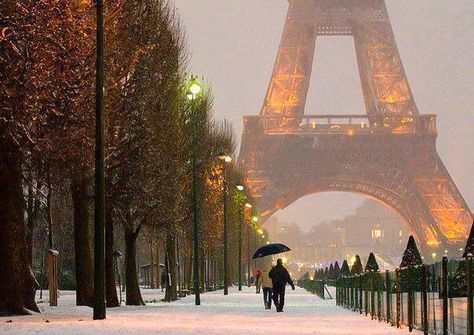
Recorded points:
273,283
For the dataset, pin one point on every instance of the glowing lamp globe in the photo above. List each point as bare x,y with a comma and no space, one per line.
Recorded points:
194,89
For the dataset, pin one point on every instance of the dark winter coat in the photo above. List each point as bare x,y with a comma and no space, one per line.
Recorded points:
280,276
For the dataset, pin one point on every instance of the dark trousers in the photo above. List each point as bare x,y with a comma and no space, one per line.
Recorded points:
279,297
267,297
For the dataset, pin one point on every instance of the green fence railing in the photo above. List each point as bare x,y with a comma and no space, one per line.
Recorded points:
435,299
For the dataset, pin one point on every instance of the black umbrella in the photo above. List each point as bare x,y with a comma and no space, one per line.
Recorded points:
270,249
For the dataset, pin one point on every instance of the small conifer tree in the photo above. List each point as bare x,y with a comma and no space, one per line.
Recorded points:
411,256
345,271
337,270
469,249
458,287
330,272
372,264
357,267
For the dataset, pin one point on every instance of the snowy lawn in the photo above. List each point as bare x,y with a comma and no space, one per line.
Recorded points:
237,313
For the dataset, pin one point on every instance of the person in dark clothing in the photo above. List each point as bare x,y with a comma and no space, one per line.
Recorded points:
280,277
163,280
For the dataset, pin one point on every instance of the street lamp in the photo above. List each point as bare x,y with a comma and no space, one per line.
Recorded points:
254,220
241,218
194,89
225,159
193,92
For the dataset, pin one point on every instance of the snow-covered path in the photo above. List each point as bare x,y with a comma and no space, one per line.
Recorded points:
237,313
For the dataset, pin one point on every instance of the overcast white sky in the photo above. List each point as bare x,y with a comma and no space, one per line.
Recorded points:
233,44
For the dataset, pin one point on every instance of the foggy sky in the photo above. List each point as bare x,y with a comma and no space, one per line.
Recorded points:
233,44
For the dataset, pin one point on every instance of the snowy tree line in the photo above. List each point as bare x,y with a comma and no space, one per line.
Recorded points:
47,57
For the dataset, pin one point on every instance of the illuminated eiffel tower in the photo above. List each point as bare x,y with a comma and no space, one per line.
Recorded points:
388,154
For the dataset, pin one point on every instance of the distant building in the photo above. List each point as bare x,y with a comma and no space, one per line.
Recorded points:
373,228
288,233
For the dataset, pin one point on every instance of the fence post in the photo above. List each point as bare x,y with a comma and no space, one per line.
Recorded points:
348,299
352,292
366,294
410,300
424,300
53,277
360,294
339,292
387,296
346,292
372,295
379,296
397,283
470,302
444,288
346,295
322,290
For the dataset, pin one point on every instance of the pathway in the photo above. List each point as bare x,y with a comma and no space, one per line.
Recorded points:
237,313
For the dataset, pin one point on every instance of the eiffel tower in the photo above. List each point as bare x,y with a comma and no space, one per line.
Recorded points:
388,154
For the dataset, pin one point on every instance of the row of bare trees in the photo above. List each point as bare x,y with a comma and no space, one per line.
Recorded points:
47,135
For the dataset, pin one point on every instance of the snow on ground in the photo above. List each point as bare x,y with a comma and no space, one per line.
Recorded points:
237,313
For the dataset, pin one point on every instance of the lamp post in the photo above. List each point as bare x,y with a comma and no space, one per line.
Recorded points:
249,206
193,92
241,217
225,159
99,192
254,221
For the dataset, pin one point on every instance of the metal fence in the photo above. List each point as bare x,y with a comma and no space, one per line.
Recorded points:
435,298
314,286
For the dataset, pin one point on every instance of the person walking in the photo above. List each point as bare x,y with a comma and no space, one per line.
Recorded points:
280,277
266,287
258,280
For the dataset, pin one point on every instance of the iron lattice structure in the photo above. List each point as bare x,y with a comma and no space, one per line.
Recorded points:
388,154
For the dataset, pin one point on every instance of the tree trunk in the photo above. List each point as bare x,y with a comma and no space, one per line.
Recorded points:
158,270
178,270
110,286
17,282
82,248
134,296
190,269
202,270
49,217
152,259
171,292
30,224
